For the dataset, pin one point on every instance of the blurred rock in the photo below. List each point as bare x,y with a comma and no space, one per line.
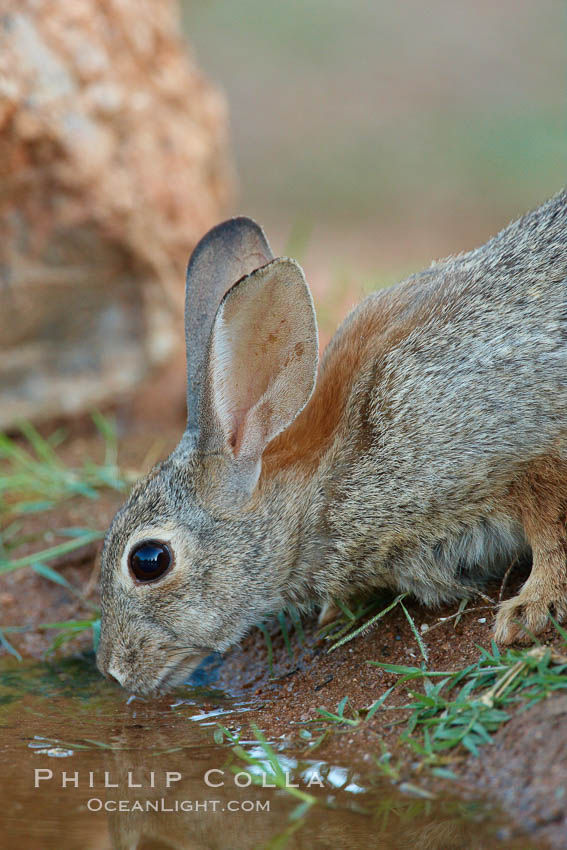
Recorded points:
112,164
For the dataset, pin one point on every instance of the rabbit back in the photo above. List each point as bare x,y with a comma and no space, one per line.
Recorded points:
434,399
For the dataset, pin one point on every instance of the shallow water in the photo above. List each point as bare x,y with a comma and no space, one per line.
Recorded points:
85,767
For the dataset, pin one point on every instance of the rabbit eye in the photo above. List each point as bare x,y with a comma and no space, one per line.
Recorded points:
149,560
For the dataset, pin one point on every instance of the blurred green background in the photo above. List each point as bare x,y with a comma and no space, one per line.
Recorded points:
393,133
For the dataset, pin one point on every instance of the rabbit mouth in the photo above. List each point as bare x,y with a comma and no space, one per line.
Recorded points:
177,672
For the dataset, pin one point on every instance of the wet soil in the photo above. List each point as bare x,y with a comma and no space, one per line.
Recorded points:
525,768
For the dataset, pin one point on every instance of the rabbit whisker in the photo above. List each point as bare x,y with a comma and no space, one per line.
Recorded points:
174,673
184,649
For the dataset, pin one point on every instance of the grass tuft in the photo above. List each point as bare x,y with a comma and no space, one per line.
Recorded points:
34,479
462,708
281,618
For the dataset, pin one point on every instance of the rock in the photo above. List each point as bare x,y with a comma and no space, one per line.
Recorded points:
113,163
525,769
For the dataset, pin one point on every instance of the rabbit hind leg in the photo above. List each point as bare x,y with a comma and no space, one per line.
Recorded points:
541,496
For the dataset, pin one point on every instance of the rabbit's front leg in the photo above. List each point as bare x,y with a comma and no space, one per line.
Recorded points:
545,592
328,614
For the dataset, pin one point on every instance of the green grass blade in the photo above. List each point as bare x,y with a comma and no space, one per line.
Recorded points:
368,625
52,575
297,624
8,646
269,647
41,447
417,636
285,633
378,704
51,552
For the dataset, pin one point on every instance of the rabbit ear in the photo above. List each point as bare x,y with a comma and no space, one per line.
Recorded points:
262,365
224,255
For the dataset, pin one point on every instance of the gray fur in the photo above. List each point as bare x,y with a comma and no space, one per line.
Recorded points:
411,491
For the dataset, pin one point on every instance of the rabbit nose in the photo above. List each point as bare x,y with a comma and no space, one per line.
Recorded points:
114,675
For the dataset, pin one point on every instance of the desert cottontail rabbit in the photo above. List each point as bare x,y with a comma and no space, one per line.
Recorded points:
428,454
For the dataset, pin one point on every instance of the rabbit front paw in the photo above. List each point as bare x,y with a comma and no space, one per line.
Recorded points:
525,615
329,613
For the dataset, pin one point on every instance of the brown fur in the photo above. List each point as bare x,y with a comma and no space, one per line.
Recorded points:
540,497
307,438
363,334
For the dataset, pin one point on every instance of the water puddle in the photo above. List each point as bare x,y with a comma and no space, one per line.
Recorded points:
85,767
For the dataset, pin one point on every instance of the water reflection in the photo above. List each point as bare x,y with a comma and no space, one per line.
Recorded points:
83,767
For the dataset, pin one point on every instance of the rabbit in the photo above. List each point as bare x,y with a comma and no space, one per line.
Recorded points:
427,452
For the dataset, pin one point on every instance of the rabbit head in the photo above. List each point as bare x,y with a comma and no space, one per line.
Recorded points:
182,561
